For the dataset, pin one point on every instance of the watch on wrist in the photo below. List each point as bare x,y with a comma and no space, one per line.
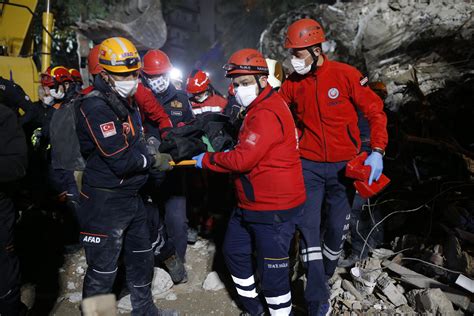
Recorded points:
379,150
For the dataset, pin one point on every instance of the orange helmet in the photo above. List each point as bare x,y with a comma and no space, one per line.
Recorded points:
93,61
197,82
156,62
76,75
61,74
246,61
46,79
304,33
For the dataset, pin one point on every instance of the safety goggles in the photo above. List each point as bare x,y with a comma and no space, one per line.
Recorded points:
231,67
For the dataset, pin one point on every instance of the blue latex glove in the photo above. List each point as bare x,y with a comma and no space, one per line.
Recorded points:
375,162
198,159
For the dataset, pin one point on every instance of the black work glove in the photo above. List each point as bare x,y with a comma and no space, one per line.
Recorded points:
162,162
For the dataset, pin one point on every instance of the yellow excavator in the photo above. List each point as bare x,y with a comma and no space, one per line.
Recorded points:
16,44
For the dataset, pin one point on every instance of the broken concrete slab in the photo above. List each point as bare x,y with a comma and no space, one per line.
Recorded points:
420,281
213,282
347,285
431,301
161,282
465,283
385,284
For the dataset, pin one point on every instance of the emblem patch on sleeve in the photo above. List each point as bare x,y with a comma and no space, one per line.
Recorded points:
126,128
364,81
108,129
252,139
176,104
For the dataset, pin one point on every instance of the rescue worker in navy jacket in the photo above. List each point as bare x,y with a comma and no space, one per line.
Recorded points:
111,212
15,98
324,96
269,184
156,76
13,162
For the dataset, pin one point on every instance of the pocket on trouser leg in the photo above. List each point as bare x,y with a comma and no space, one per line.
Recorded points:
276,285
102,251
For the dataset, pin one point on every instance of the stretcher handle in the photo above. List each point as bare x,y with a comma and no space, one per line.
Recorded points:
183,163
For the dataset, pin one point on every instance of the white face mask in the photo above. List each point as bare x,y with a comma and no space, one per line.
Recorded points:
246,95
202,97
57,94
299,64
159,84
126,88
48,100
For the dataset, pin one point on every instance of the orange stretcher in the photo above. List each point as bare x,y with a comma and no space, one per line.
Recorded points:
183,163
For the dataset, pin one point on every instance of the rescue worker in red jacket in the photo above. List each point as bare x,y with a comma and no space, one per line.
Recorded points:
269,184
204,97
324,96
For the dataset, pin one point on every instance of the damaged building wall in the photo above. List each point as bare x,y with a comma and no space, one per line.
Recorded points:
422,51
394,41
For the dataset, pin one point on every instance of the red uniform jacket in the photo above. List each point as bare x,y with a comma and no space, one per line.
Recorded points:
323,103
266,157
215,103
151,109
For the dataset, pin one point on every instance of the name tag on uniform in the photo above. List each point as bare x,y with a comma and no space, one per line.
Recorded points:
177,113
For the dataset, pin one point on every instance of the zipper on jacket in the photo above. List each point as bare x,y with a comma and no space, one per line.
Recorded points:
351,137
321,122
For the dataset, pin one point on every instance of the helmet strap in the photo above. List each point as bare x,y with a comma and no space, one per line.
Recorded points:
315,58
260,89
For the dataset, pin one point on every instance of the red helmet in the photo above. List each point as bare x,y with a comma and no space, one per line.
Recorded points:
60,74
197,82
304,33
46,79
93,61
156,62
76,75
246,61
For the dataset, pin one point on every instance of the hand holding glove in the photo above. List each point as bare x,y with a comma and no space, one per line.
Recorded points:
198,159
162,162
375,162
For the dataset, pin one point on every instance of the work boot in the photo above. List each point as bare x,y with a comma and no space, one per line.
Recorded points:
176,269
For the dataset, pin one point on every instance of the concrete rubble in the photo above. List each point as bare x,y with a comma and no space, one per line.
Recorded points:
388,39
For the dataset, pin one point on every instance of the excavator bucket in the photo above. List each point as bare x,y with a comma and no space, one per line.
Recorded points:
141,21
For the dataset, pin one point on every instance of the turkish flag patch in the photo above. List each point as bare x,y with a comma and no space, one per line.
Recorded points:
252,139
108,129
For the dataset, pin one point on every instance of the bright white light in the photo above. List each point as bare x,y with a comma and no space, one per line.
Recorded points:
207,74
176,74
